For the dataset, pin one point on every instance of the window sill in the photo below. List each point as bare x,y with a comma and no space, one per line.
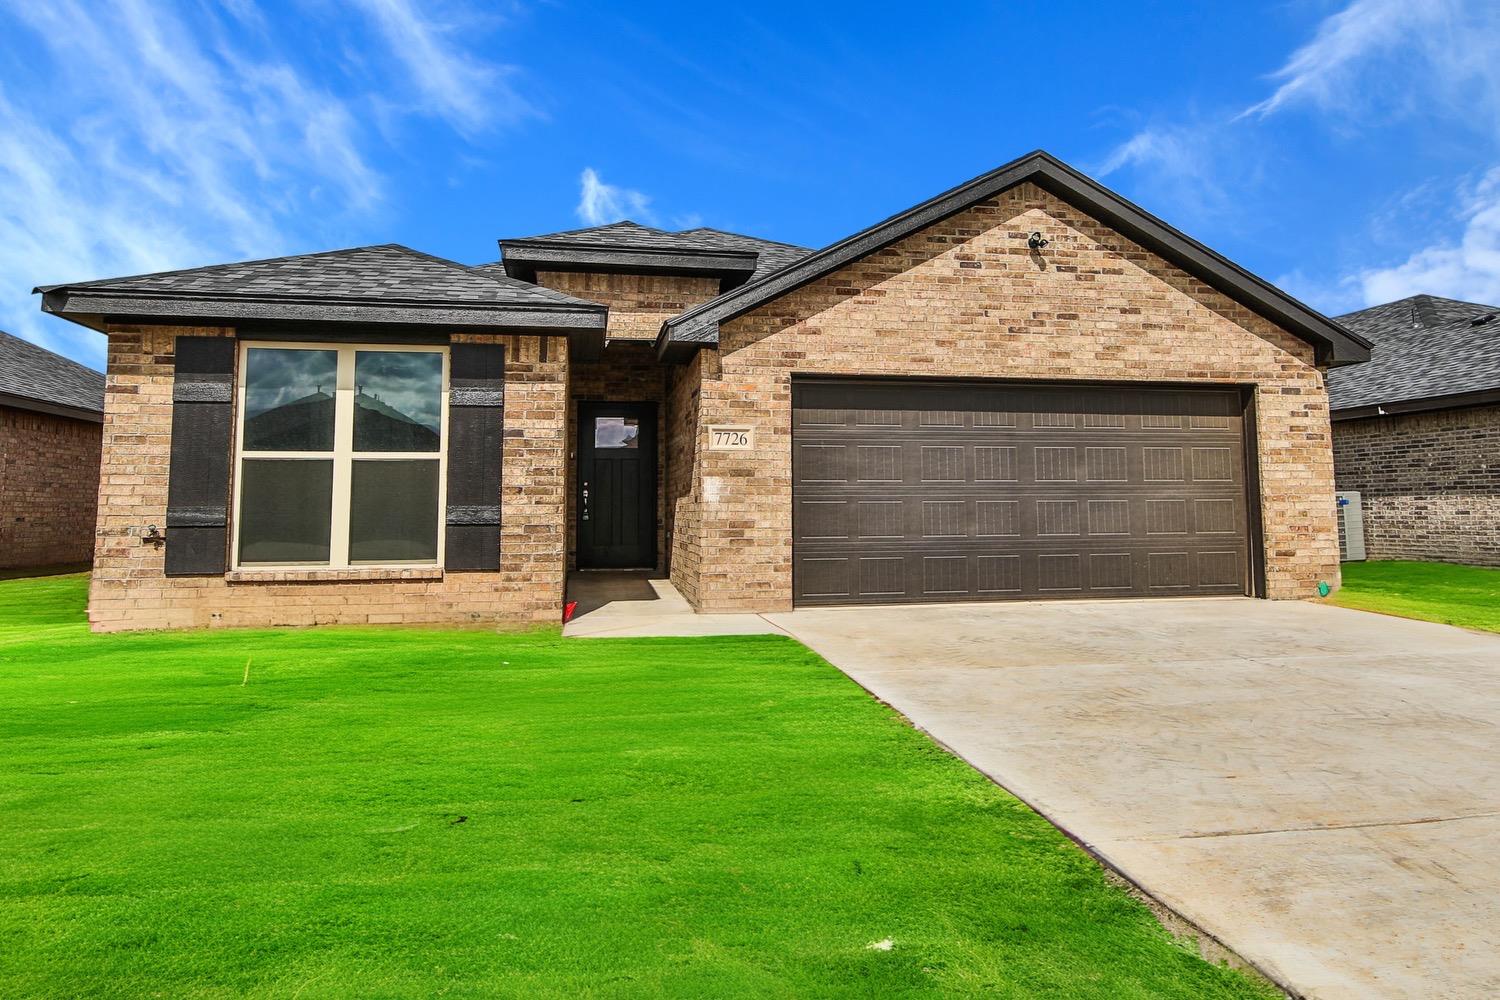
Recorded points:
334,575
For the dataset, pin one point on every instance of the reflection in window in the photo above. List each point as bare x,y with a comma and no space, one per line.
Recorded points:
398,400
393,511
284,508
289,399
616,432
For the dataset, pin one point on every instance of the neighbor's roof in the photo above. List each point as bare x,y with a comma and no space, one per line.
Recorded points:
630,246
1429,353
699,326
34,378
388,283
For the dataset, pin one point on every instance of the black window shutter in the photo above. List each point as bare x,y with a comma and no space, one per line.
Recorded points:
198,478
476,399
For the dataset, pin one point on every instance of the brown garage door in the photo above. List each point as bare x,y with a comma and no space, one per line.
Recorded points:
921,491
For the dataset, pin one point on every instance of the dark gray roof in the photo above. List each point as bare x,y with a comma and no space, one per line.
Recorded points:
387,272
33,377
622,234
1335,345
632,247
770,255
1429,352
387,283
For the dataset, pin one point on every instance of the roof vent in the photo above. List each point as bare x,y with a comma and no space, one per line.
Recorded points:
1481,320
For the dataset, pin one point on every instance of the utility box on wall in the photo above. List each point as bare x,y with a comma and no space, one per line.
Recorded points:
1351,527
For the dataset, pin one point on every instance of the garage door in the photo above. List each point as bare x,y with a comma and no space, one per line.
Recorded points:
908,491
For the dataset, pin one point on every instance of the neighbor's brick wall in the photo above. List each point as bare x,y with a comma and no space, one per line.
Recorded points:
638,303
967,298
627,373
49,488
1429,483
129,590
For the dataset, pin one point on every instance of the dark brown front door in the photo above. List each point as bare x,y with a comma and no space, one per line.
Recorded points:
912,491
616,485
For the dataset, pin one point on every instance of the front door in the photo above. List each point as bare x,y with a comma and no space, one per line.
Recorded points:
616,485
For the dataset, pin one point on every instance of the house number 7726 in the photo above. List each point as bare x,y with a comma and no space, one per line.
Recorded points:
731,438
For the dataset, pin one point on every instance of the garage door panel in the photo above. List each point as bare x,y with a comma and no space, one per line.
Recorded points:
925,492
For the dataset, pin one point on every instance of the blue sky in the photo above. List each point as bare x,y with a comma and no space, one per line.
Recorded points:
1348,151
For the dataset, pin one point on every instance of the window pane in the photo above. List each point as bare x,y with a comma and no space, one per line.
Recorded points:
393,511
616,432
285,509
398,400
289,399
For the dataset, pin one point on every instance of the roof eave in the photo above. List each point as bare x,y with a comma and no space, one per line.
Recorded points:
93,307
1334,344
1425,404
19,402
523,260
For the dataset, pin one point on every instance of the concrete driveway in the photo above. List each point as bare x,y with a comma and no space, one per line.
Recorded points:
1317,788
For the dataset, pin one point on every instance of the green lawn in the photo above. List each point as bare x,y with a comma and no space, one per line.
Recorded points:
1439,592
391,813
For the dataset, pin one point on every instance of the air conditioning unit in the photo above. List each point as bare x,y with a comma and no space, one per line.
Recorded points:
1351,527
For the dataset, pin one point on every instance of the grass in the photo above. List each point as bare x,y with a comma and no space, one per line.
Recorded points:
393,813
1440,592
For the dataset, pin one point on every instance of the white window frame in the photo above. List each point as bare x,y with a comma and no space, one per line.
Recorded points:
343,454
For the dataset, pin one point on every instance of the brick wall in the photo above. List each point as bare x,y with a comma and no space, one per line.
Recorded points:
1429,483
967,298
129,590
627,373
638,303
683,440
49,488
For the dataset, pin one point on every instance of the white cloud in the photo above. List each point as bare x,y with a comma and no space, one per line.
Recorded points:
146,135
1466,269
599,203
454,84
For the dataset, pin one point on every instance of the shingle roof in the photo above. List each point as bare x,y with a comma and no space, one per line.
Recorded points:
386,272
1425,347
386,284
625,234
29,372
770,255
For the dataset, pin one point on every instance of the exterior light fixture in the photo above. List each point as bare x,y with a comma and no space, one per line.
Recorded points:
1036,241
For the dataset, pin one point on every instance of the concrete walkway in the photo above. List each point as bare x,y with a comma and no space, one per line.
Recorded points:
1317,788
624,604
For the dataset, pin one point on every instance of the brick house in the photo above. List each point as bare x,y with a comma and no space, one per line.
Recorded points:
1024,387
1417,430
51,410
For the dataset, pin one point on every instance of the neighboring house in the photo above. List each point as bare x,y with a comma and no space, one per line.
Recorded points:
1025,387
1417,430
51,410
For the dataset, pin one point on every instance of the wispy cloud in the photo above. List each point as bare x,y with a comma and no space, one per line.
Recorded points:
1178,164
145,135
1330,71
454,84
599,203
1377,61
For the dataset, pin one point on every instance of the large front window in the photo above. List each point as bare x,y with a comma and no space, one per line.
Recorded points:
341,455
